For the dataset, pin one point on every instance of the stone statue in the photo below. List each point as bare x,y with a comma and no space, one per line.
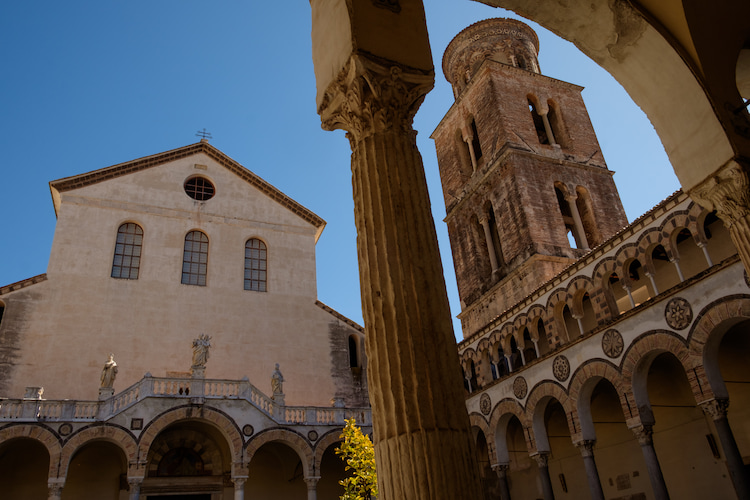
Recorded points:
277,380
200,350
109,372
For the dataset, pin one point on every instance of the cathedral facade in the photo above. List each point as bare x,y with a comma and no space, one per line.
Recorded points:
176,345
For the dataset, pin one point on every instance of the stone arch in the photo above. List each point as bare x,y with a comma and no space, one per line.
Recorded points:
671,226
287,437
41,434
625,255
705,337
499,419
121,438
506,332
227,427
556,302
576,289
647,241
637,360
538,399
695,215
582,384
320,448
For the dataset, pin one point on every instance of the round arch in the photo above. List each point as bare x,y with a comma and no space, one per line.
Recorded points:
111,434
38,433
287,437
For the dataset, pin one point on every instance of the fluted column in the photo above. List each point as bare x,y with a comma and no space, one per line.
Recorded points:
592,473
644,435
502,476
717,409
542,461
423,442
728,192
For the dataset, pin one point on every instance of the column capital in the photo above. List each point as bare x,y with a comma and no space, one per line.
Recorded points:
501,469
55,487
312,482
541,458
369,97
644,434
727,192
715,408
570,197
586,446
239,481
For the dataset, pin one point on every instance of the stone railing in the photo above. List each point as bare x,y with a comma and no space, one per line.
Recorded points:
197,390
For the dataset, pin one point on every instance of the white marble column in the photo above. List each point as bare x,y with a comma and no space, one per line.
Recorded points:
134,485
312,487
239,487
423,442
55,487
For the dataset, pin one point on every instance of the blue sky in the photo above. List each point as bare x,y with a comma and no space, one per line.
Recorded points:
86,85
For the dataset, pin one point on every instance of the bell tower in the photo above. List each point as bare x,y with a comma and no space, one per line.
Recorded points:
526,188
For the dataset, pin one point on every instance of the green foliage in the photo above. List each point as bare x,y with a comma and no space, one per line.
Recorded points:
359,454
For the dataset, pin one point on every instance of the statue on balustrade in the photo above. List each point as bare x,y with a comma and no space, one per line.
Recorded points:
200,350
109,372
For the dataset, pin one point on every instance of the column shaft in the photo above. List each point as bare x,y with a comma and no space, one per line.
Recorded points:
643,434
592,473
717,409
490,244
542,461
502,478
423,442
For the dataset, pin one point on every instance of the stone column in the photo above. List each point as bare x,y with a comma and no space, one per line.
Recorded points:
728,192
626,287
542,461
653,282
502,475
423,442
580,233
592,473
717,410
312,487
490,244
134,485
704,248
677,267
548,129
55,487
472,155
644,435
239,487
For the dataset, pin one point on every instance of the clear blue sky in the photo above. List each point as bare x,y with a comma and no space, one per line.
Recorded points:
86,85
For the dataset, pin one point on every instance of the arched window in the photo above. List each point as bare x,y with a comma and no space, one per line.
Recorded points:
556,124
475,140
541,131
127,260
586,213
529,352
353,352
195,259
256,258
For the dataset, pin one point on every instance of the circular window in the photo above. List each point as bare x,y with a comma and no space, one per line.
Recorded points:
199,188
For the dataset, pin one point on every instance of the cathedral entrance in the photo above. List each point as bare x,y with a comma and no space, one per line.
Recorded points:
189,460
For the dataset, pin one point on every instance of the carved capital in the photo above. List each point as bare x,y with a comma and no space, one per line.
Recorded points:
372,96
55,487
134,484
727,192
541,459
312,482
715,408
644,434
501,469
587,447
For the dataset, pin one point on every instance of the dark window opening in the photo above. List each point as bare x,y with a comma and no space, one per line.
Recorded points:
710,219
475,141
256,260
195,259
541,132
127,259
634,270
353,358
199,188
659,253
521,61
683,235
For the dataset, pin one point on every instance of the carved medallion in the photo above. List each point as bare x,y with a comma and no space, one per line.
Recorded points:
65,429
485,404
678,313
136,424
312,435
248,430
520,387
612,343
561,368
